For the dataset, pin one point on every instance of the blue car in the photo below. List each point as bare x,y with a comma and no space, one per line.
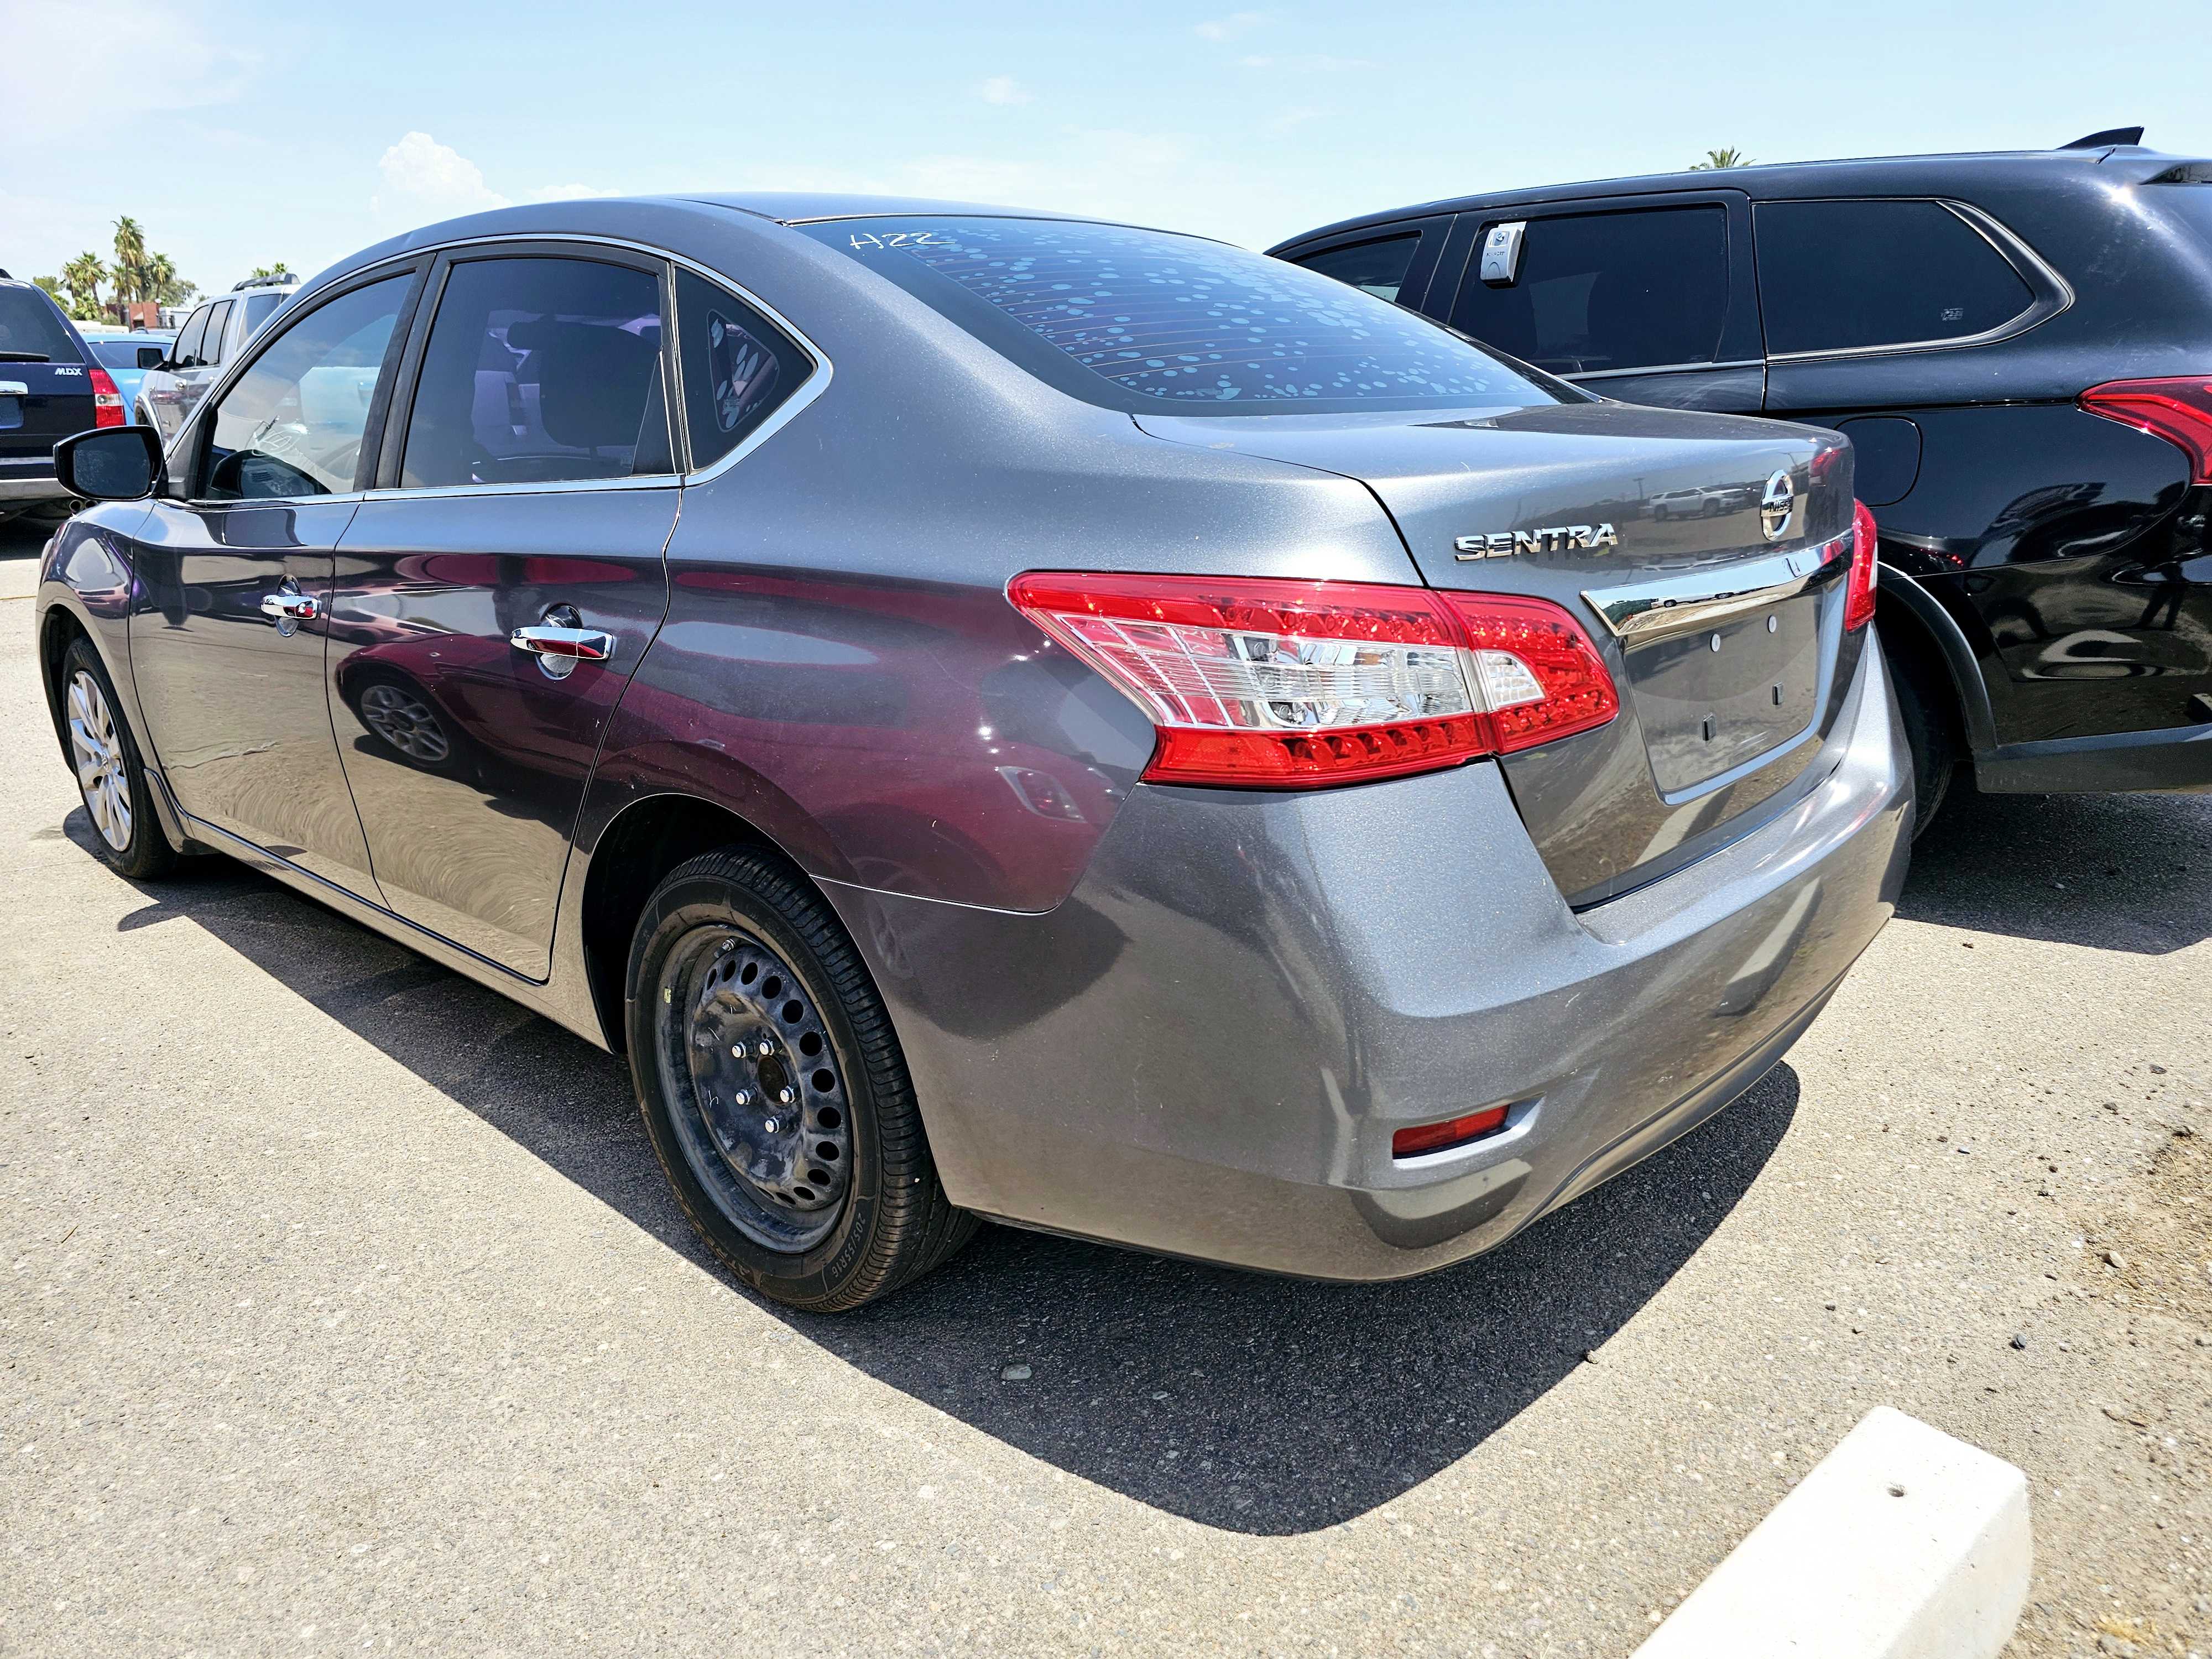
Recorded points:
126,358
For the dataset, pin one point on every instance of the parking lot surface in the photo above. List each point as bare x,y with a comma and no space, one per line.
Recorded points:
347,1311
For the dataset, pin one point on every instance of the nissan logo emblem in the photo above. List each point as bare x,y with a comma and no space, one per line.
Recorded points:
1776,505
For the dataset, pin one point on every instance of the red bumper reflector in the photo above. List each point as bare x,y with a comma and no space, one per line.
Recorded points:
1858,594
107,401
1452,1132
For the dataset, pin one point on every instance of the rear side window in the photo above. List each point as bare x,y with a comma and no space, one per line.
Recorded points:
32,330
738,367
260,307
292,424
1378,268
1607,291
1839,276
211,346
539,371
1144,321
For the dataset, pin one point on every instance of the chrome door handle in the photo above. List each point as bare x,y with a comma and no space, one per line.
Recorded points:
577,644
290,606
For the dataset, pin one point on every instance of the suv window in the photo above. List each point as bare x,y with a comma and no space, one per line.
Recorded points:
30,328
1378,267
1836,276
260,306
737,367
539,370
1646,289
211,348
292,424
1146,321
186,354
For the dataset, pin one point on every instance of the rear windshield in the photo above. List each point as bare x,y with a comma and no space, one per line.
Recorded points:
121,350
1140,320
31,329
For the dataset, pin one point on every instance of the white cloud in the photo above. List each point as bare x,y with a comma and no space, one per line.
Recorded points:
424,180
1318,62
1005,89
1229,27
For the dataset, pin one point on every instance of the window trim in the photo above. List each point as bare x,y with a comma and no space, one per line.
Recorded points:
2050,293
190,443
218,329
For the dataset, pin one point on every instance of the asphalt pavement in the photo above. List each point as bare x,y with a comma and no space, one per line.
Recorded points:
347,1312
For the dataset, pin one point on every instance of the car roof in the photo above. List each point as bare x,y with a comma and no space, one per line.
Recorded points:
1869,175
802,207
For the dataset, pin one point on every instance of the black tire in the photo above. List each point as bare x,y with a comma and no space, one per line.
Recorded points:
141,851
716,935
1929,713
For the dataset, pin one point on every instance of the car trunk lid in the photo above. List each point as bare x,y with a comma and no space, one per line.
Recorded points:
1700,551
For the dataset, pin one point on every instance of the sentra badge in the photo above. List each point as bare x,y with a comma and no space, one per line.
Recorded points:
1551,539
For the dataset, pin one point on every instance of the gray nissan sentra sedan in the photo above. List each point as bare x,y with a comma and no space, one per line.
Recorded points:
1007,715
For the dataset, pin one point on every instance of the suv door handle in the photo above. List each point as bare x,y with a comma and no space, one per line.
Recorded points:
579,644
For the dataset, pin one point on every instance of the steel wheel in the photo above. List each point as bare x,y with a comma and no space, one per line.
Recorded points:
763,1122
406,722
96,746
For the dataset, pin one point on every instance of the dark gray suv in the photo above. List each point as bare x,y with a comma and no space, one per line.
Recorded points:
1007,715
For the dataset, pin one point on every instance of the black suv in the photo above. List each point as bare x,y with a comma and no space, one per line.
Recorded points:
50,387
2019,347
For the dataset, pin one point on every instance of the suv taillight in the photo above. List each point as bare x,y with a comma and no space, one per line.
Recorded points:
1858,591
107,401
1268,683
2179,411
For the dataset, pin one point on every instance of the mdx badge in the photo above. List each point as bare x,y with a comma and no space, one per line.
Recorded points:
1551,539
1776,504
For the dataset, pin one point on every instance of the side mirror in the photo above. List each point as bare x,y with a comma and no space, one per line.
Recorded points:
110,463
152,356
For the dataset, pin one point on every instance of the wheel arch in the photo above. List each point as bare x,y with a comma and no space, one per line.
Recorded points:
1911,619
59,629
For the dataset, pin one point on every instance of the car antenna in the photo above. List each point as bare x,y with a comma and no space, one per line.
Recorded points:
2109,135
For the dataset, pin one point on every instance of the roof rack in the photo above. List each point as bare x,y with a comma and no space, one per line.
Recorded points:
279,279
2110,135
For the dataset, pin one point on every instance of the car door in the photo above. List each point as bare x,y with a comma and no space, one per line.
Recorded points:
162,393
234,566
496,591
1648,298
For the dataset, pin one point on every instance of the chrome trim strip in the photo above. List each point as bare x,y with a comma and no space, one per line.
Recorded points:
551,487
1656,368
1638,612
808,389
2053,293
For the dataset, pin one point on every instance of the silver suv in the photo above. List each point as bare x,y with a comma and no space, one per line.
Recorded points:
212,337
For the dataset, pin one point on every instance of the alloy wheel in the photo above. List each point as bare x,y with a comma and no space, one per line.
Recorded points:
405,720
96,747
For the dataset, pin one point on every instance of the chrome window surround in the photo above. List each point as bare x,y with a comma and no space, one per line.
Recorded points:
808,390
1659,368
2053,292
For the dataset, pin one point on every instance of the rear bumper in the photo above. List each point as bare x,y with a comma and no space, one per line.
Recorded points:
30,480
1205,1049
2176,757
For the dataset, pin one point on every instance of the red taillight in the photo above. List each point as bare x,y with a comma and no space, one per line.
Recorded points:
1269,684
1452,1132
1858,591
107,401
2179,411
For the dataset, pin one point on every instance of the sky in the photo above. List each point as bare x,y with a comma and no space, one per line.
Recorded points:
242,134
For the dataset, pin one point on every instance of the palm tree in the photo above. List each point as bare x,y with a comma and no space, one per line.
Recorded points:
164,286
131,282
1716,159
82,276
280,269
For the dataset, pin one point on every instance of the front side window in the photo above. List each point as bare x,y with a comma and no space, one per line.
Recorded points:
1844,276
210,351
1146,321
186,352
1600,292
738,366
292,424
539,371
1377,268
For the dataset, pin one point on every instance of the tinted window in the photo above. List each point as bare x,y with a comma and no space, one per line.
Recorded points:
1377,267
218,320
292,425
259,307
1601,291
31,328
1143,320
736,366
539,370
122,351
187,353
1835,274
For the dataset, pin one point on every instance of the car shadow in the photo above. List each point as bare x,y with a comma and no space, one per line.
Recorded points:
1258,1405
2121,872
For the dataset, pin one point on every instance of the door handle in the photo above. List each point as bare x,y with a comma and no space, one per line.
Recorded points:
578,644
290,607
